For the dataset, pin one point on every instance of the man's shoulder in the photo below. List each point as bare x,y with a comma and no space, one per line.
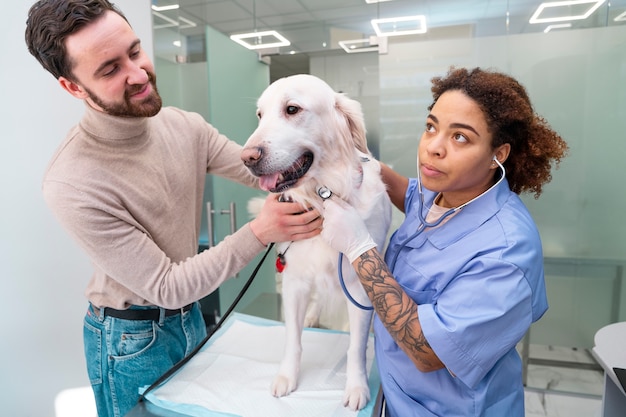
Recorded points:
172,113
183,121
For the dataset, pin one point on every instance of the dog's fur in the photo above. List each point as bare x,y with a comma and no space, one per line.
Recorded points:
310,136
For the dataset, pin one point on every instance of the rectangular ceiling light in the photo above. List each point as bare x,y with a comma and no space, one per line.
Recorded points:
163,21
358,45
561,11
557,26
620,18
164,8
261,40
375,1
397,26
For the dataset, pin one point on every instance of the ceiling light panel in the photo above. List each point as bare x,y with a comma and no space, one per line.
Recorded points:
165,8
261,40
562,11
357,45
398,26
557,26
620,18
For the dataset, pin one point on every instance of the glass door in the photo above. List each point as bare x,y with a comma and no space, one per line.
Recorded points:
209,74
234,85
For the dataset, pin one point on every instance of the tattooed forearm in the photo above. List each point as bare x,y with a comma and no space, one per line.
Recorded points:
396,310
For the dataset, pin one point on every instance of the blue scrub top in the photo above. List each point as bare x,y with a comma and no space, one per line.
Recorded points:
478,282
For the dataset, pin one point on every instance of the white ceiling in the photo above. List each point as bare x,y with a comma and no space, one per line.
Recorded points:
314,26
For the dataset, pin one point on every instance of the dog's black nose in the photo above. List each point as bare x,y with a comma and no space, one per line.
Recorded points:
251,156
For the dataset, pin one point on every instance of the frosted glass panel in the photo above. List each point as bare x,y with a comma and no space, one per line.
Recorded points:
234,85
584,296
577,81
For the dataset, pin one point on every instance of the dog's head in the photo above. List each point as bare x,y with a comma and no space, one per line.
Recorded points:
304,128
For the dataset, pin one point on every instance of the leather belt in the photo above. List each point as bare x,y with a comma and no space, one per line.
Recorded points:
140,314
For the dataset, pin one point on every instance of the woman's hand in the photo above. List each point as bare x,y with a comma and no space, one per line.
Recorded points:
344,229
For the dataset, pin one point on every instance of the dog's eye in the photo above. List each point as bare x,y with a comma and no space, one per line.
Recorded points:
258,114
292,109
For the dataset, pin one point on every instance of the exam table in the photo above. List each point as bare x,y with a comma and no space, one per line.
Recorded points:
320,369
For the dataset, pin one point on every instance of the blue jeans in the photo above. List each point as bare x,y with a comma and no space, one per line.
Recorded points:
125,355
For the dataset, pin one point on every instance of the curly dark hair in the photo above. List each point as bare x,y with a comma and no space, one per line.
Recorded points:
50,22
511,119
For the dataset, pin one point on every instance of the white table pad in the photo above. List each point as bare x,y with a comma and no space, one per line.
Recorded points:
231,374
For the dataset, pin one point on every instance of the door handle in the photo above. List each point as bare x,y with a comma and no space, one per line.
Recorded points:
210,212
233,217
209,223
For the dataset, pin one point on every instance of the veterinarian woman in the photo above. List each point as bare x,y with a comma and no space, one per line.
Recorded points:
127,185
462,278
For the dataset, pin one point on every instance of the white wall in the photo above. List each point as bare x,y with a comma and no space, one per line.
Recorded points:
43,272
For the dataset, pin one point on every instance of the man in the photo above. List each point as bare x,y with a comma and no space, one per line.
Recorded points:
127,185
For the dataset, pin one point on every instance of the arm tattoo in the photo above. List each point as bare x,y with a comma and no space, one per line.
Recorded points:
396,309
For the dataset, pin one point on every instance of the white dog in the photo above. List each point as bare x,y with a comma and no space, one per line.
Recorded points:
310,137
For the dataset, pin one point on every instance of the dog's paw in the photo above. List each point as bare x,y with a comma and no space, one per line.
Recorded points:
355,398
282,386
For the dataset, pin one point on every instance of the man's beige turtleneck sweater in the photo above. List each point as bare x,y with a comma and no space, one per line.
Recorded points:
130,192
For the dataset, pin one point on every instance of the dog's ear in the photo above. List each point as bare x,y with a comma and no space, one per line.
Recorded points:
351,110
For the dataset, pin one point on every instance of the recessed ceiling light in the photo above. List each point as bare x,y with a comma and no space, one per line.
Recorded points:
164,8
397,26
169,22
620,18
358,45
261,40
560,11
557,26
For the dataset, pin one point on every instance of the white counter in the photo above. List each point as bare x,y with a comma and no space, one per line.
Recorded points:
610,352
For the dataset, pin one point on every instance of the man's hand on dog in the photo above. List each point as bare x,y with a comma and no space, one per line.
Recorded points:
282,221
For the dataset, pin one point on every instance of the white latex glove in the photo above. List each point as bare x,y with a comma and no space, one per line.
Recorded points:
344,229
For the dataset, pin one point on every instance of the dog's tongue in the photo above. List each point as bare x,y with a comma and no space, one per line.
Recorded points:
268,182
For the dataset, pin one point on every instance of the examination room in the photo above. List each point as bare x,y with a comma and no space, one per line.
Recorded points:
146,247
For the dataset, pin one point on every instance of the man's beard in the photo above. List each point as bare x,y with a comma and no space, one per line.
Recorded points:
147,107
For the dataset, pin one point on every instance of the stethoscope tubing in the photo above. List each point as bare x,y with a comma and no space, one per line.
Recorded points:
325,193
425,224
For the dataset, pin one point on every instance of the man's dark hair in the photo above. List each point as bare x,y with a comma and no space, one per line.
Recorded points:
49,24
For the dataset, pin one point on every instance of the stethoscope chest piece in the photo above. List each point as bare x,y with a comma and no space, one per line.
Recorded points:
324,192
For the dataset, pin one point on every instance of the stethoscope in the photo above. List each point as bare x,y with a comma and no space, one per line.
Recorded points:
325,193
420,215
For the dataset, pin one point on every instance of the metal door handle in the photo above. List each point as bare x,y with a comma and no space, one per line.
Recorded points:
233,217
209,223
209,213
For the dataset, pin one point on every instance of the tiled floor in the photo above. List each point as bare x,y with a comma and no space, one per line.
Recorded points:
553,405
556,391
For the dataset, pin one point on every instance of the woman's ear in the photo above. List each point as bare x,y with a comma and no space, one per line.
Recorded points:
73,88
502,152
